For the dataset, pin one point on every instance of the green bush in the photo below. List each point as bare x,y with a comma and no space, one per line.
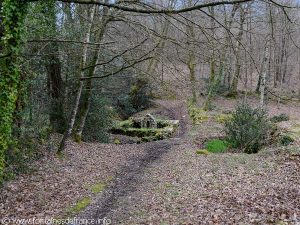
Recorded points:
216,146
248,129
286,140
279,118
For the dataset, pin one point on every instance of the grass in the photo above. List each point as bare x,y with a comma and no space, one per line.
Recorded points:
216,146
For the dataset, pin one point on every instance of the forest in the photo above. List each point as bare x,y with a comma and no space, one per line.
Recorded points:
150,112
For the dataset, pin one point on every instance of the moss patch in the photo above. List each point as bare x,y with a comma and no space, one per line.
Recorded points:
216,146
79,206
97,188
117,141
202,152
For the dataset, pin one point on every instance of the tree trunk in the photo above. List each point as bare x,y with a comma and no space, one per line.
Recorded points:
191,63
212,74
264,75
237,72
56,93
88,90
69,129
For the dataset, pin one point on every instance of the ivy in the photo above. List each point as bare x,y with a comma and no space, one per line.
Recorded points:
13,12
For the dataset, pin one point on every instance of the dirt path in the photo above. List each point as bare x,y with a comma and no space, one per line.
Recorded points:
128,177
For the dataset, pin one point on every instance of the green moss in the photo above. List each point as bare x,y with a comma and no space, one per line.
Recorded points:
216,146
202,152
77,138
97,188
79,206
117,141
126,123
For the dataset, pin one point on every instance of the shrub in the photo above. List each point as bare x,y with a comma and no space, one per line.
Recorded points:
286,140
248,129
216,145
279,118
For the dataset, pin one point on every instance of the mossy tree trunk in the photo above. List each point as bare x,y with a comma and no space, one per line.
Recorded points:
13,13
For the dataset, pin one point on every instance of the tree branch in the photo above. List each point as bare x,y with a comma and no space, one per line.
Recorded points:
68,41
153,11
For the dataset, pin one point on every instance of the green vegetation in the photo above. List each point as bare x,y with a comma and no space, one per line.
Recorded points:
197,115
13,14
248,129
202,152
216,146
99,120
117,141
279,118
165,129
79,206
139,96
222,118
97,188
286,140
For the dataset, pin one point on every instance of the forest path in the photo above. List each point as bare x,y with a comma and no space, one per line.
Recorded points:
170,184
164,182
129,175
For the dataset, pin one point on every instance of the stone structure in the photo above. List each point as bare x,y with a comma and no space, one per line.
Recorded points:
148,122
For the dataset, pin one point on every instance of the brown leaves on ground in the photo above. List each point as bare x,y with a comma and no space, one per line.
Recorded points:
181,187
59,183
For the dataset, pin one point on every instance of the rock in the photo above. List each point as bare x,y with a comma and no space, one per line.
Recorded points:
149,122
